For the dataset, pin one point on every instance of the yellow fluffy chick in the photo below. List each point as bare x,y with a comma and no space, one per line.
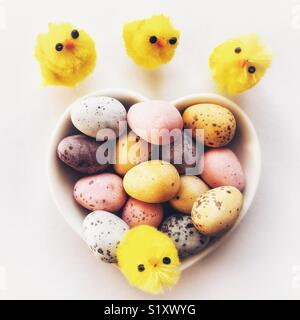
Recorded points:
151,42
66,55
239,64
148,259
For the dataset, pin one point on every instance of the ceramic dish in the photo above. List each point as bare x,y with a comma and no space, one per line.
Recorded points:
245,145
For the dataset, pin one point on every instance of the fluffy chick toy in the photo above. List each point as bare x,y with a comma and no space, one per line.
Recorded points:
239,64
151,42
148,259
66,55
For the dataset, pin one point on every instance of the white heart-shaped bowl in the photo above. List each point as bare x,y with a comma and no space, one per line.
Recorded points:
245,145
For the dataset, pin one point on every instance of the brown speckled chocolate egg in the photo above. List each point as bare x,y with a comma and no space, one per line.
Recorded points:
218,123
217,210
79,152
136,213
187,239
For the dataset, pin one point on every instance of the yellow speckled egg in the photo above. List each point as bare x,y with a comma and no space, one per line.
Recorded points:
131,150
217,210
218,123
191,188
153,181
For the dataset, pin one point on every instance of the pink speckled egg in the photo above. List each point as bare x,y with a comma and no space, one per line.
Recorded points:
100,192
137,213
154,120
222,168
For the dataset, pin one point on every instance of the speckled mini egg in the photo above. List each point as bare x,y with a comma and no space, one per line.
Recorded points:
131,150
188,240
103,231
79,152
217,210
221,167
153,181
218,123
153,121
99,117
136,213
191,188
100,192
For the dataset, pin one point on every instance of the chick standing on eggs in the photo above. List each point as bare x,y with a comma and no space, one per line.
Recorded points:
239,64
148,259
66,55
151,42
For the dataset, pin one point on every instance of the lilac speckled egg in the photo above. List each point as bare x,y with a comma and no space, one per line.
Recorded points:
79,152
136,213
152,120
221,167
103,231
100,192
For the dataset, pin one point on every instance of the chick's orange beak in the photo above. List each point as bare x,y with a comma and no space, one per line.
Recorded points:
70,45
243,63
154,261
161,43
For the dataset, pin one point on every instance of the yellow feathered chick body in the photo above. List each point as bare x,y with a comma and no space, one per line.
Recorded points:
66,55
151,42
239,64
148,259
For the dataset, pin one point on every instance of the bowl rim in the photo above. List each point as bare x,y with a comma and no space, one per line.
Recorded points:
187,100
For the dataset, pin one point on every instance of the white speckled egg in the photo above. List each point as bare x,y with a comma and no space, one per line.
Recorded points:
103,231
99,117
188,240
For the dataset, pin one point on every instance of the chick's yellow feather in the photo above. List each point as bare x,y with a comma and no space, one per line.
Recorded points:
65,59
239,64
148,259
149,54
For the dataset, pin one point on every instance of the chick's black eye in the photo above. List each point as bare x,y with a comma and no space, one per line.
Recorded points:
238,50
153,39
59,47
75,34
141,267
166,260
173,41
251,69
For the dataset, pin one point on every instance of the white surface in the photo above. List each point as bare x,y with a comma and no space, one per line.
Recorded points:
40,256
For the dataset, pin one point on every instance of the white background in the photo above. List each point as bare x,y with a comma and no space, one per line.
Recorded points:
40,256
